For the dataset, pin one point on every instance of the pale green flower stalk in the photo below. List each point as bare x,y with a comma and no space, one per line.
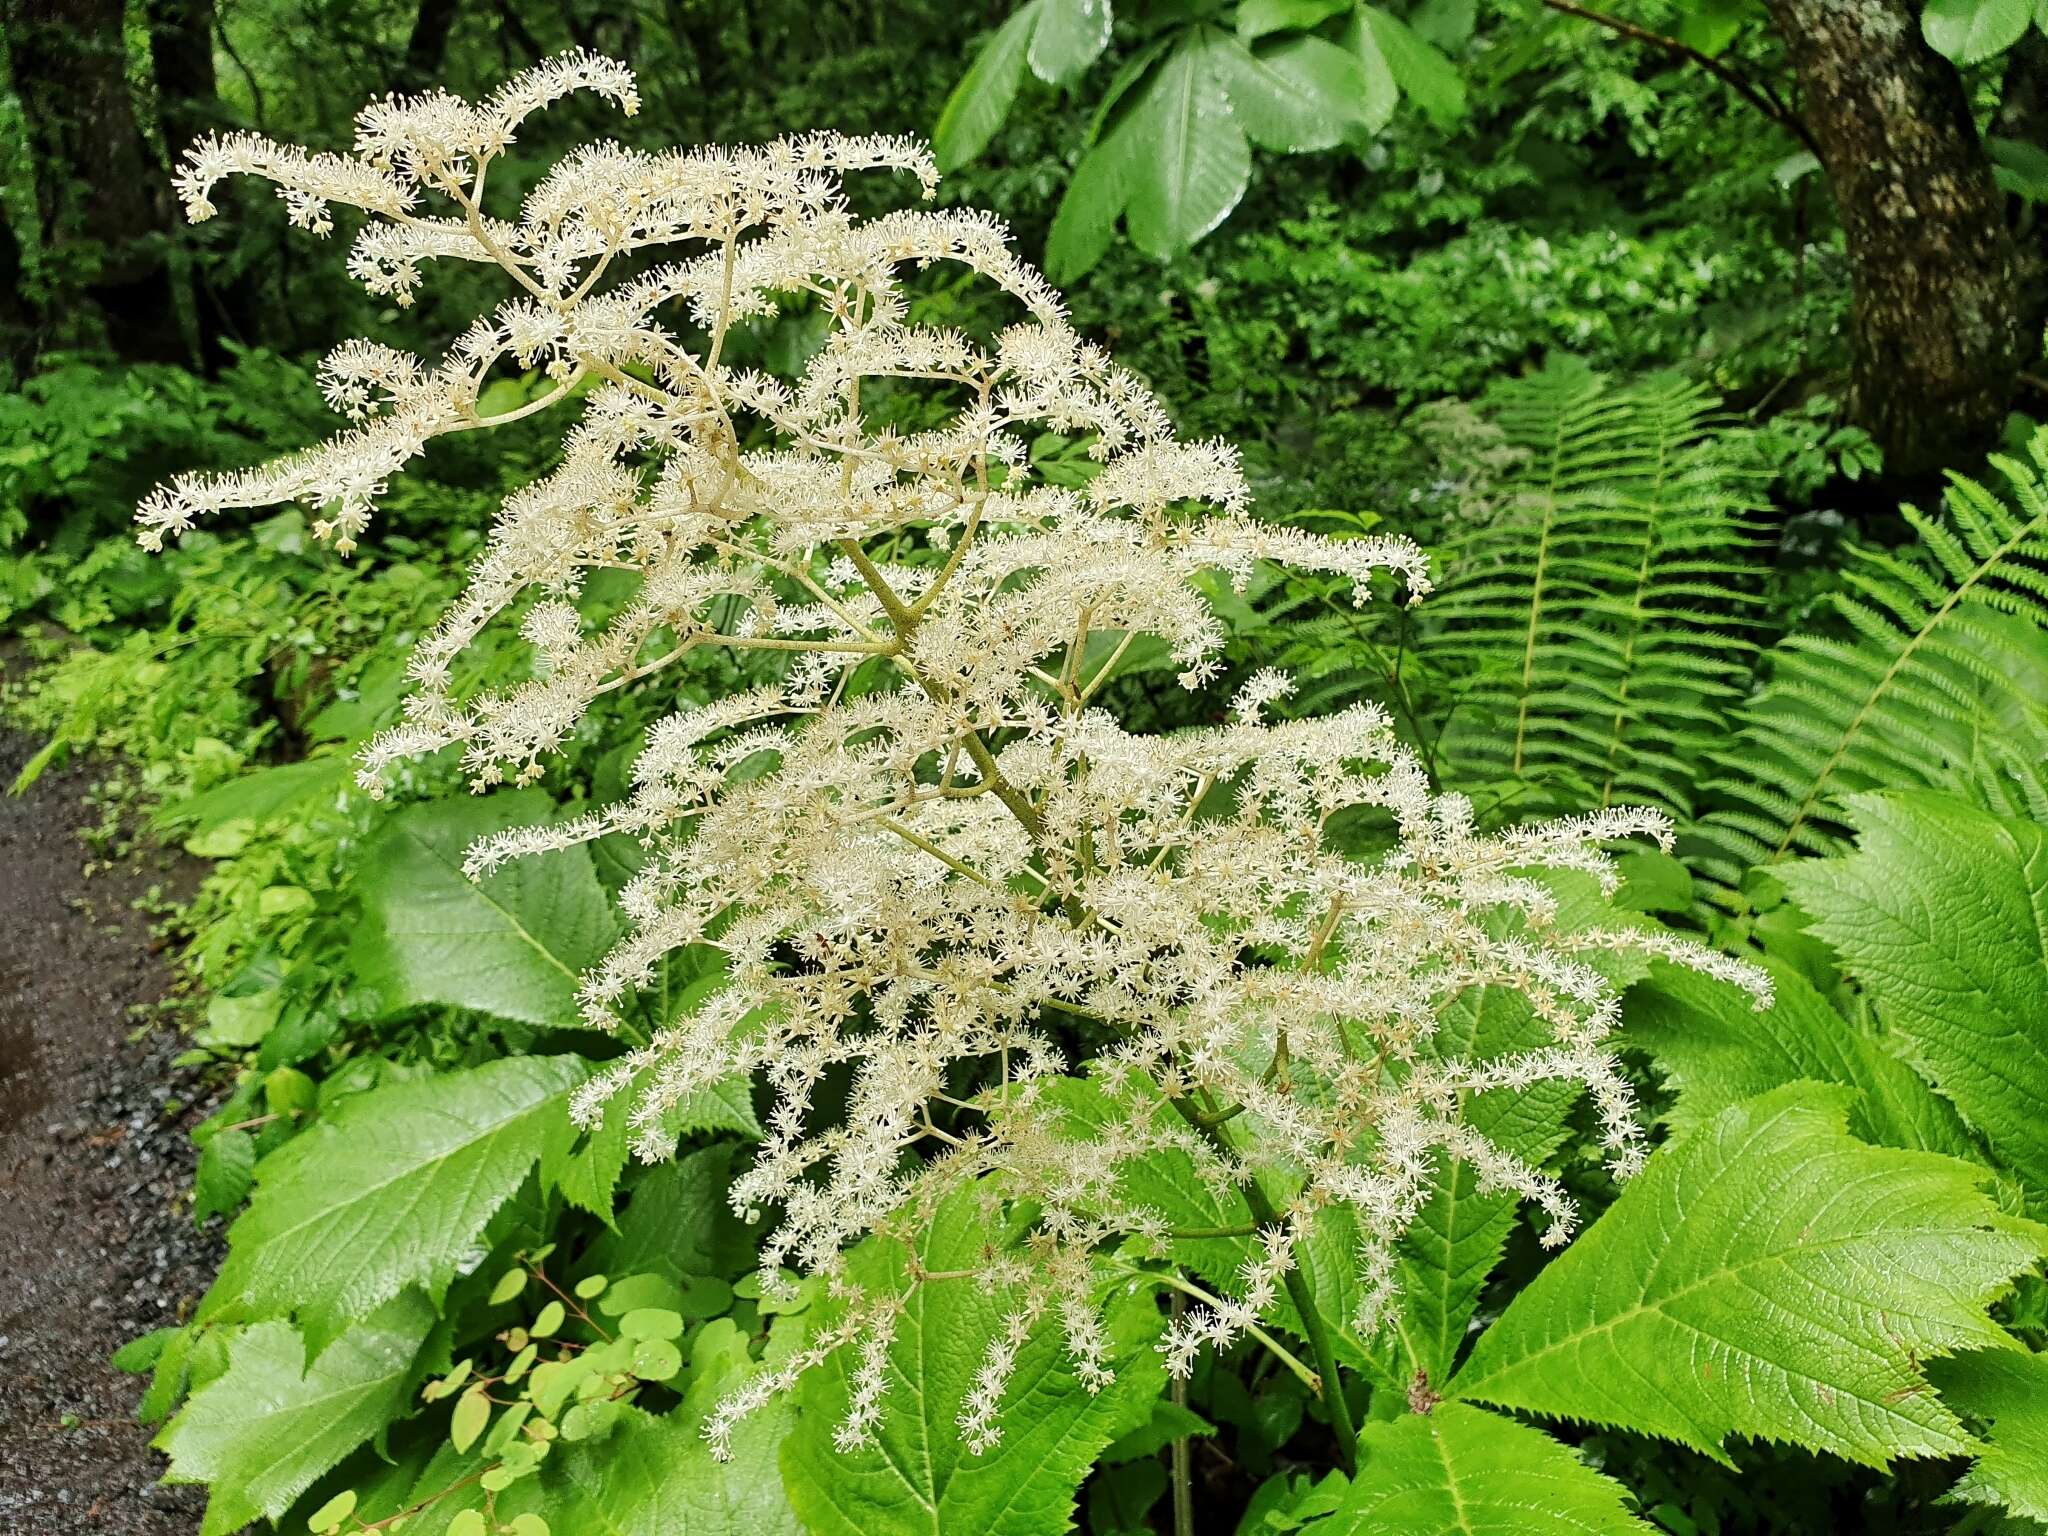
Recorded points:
957,845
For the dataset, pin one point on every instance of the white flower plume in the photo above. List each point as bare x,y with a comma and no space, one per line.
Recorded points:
960,865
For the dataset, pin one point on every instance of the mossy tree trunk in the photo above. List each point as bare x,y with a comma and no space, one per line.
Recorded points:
101,201
1936,327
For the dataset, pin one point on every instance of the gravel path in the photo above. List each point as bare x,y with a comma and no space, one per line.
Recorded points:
96,1245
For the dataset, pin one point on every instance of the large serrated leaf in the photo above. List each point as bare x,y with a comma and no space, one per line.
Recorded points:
1942,915
260,1434
1461,1471
391,1191
2006,1394
1766,1275
919,1478
1716,1050
512,944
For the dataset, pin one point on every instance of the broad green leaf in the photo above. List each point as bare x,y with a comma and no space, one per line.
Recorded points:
1195,163
1423,74
1716,1050
2020,168
1711,25
1941,914
588,1176
226,1168
1382,95
391,1190
512,944
1459,1234
1070,36
1260,18
1971,31
1461,1471
1766,1275
263,1432
1446,23
677,1222
1085,222
919,1478
1304,93
262,795
2007,1394
983,97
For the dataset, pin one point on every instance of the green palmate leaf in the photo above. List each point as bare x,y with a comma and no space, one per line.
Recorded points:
1196,163
983,97
1716,1050
1971,31
1070,36
1421,72
512,944
2007,1395
1304,93
1768,1276
1942,915
919,1476
1085,222
1260,18
1460,1471
392,1190
264,1431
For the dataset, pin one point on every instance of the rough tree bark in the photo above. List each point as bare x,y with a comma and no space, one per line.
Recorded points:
1935,326
101,202
228,302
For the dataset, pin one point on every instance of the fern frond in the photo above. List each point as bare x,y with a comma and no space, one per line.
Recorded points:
1937,677
1599,626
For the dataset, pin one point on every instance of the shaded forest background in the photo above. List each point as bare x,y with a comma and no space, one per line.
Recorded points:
1603,189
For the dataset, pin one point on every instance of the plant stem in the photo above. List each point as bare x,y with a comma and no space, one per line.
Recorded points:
1300,1283
1183,1481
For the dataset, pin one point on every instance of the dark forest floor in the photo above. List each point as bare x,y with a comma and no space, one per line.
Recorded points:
96,1241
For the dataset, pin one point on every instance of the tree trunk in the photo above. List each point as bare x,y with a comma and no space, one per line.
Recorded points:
1934,272
227,304
426,49
18,320
101,201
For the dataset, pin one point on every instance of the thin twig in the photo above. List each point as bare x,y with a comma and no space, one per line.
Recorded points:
1762,97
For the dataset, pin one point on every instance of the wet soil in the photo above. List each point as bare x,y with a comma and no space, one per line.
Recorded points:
97,1243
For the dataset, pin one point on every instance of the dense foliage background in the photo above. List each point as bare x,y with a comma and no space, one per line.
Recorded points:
1726,446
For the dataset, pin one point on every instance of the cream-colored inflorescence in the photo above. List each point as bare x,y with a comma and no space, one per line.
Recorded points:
931,858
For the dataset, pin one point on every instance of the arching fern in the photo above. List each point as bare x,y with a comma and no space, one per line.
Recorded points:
1596,626
1933,679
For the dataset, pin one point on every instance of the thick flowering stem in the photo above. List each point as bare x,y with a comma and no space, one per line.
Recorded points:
1300,1283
